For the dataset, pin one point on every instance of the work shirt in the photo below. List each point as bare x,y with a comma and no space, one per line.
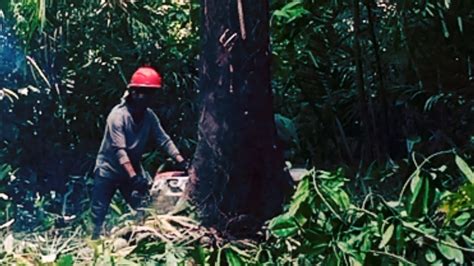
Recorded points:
125,141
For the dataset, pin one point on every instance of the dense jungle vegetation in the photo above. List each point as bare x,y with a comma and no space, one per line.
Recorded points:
374,97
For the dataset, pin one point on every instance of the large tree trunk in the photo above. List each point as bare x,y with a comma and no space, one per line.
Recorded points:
238,169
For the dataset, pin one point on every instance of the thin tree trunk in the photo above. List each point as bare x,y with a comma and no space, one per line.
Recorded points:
238,171
365,119
410,51
384,130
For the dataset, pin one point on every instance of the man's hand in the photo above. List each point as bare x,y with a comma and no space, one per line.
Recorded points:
183,165
140,183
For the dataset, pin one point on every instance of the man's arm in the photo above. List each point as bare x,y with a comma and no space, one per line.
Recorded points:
129,169
179,158
163,139
174,153
117,135
171,149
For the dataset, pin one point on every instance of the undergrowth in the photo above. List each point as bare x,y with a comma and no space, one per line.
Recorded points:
322,224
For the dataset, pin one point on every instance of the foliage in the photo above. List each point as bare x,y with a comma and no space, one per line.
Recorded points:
81,65
68,62
330,229
65,63
5,201
417,73
321,224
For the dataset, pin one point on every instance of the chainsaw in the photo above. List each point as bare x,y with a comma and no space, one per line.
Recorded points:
171,184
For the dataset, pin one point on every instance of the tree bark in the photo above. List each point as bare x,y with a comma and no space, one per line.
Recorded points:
384,130
237,174
364,108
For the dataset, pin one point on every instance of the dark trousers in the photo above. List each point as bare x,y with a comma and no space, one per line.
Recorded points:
102,193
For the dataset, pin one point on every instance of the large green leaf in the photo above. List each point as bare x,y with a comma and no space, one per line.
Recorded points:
400,238
283,226
199,254
415,183
387,236
233,258
286,128
426,199
291,11
301,195
4,170
430,256
462,219
415,198
449,252
465,169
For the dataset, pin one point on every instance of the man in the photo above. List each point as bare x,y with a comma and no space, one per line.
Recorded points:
128,128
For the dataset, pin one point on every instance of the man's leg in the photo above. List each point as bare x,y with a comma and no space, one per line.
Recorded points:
102,194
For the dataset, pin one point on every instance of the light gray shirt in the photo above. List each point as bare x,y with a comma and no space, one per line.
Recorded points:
125,141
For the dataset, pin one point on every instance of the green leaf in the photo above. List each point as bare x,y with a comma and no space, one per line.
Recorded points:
301,195
116,208
341,198
387,236
465,169
414,203
291,11
411,142
283,226
345,247
415,183
4,170
462,219
233,258
286,129
430,256
460,24
400,238
65,260
300,219
443,24
199,254
451,253
469,240
447,3
426,196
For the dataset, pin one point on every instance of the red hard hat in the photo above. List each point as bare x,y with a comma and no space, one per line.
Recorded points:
145,77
